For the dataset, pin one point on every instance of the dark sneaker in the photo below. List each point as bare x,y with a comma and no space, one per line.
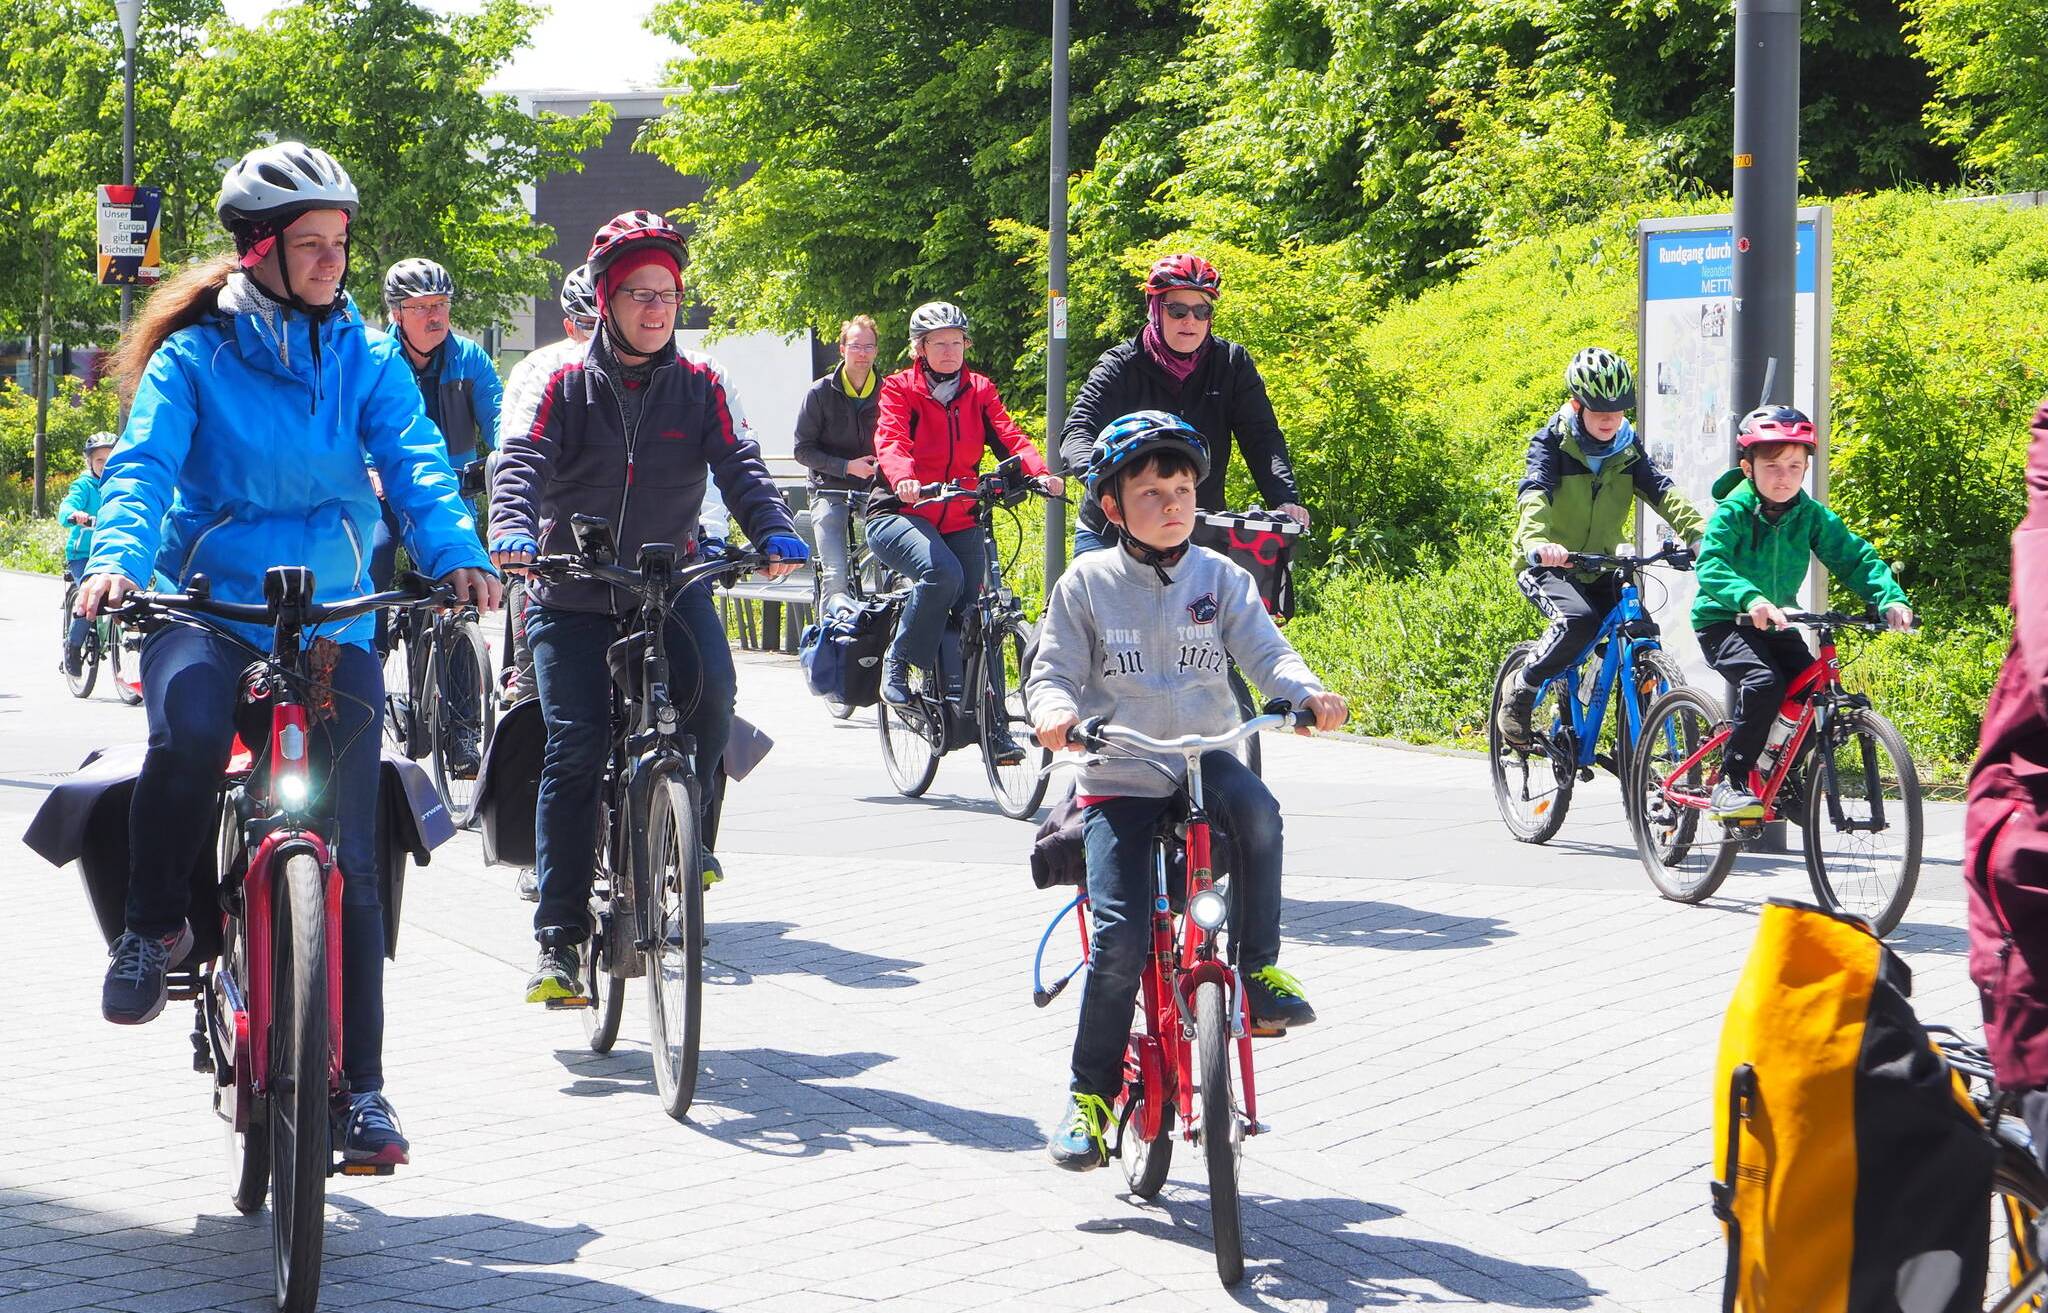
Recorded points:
1078,1144
135,992
1512,720
1275,999
714,873
896,683
1007,750
74,660
370,1133
464,756
558,974
529,884
1731,802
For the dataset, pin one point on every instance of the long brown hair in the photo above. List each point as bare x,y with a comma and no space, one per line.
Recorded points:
179,302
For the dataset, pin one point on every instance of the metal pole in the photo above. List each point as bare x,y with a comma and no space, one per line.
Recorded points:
1766,222
127,149
1056,301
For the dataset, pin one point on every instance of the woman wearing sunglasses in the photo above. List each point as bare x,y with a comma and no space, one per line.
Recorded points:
1176,364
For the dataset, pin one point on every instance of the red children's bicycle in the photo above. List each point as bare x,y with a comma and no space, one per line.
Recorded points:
1832,765
268,984
1177,1069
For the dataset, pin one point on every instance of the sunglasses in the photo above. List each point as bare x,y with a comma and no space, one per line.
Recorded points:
1201,310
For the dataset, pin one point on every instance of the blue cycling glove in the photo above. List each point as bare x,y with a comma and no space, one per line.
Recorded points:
787,546
516,542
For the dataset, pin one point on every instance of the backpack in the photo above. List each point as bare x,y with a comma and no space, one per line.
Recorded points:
1852,1172
842,652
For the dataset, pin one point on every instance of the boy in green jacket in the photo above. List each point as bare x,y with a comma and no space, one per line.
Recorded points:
1585,474
1751,564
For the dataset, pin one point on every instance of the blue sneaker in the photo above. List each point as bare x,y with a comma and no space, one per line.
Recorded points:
370,1132
135,991
1078,1145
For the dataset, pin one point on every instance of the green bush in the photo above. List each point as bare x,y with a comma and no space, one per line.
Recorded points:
1933,685
77,411
35,545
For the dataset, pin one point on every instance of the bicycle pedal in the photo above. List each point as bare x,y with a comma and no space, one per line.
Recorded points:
571,1004
1267,1032
367,1169
1257,1128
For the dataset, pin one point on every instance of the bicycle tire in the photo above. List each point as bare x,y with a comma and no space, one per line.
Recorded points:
1655,675
1835,884
1669,836
1145,1162
399,718
1019,789
461,642
300,1148
911,759
2019,1195
608,1003
81,683
1531,814
675,920
118,661
1220,1129
248,1151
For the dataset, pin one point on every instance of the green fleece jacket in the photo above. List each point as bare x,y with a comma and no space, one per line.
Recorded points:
1746,556
1562,499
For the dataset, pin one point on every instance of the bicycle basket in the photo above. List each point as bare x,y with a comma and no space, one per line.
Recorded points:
1263,542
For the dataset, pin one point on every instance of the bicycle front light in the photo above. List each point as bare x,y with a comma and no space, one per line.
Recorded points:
1209,909
291,790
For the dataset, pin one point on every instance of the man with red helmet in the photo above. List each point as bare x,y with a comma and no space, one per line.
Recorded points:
627,431
1177,365
1752,561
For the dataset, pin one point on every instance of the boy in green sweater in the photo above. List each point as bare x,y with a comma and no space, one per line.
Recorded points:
1751,564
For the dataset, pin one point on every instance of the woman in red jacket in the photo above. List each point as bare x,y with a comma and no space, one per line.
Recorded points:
2005,831
937,417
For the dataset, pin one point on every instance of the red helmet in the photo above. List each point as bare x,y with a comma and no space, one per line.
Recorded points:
1775,424
632,230
1191,272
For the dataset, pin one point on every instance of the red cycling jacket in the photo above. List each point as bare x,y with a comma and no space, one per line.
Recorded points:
917,437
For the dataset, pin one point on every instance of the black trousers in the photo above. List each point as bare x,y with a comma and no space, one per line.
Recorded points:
1575,609
1758,665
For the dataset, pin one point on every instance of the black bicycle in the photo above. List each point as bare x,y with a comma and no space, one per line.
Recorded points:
990,709
2019,1190
647,894
439,702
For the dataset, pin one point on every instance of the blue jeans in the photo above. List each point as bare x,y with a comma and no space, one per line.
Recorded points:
74,638
946,571
1119,834
575,701
189,681
1086,540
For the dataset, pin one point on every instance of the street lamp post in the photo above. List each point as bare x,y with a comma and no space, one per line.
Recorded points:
131,21
1056,301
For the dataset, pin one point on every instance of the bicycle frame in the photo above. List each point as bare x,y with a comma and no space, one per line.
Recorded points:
1627,631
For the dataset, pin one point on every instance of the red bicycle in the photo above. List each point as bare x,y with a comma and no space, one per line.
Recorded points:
1832,765
1177,1070
268,988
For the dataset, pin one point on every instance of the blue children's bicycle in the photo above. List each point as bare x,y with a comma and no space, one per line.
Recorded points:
1534,787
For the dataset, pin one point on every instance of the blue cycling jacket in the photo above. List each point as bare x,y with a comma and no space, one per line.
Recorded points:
245,449
461,389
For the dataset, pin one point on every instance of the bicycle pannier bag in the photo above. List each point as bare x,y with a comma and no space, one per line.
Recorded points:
1263,542
842,653
1852,1172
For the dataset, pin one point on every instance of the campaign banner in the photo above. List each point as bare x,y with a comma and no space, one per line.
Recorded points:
130,245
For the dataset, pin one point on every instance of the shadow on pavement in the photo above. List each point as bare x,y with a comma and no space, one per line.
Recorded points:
768,1101
1922,937
1305,1251
946,802
1369,924
741,950
60,1254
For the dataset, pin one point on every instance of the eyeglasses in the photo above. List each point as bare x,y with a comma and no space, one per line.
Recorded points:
648,296
1201,310
439,307
864,348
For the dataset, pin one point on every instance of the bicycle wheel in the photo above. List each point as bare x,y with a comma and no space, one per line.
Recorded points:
1685,852
122,664
608,1001
81,683
1019,787
299,1144
399,718
675,966
1863,832
910,758
248,1151
1145,1161
1533,791
2019,1194
461,715
1655,675
1222,1137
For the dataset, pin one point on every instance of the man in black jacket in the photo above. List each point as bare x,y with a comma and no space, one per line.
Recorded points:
1177,365
835,441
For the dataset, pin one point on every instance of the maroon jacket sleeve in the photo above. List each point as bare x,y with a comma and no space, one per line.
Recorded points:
523,461
1004,432
2030,565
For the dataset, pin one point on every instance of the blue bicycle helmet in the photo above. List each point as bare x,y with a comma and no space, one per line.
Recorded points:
1123,440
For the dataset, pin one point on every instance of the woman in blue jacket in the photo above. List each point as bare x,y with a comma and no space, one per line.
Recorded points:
255,402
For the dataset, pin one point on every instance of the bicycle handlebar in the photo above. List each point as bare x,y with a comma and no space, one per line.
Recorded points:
140,607
1675,554
1096,733
566,566
1870,620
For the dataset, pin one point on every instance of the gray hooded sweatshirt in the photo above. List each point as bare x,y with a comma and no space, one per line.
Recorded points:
1151,657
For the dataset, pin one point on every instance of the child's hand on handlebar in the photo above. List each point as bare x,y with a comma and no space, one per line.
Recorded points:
1552,555
1331,711
1764,614
1898,617
1052,729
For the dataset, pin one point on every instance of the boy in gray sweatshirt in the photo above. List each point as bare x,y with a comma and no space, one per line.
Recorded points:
1142,636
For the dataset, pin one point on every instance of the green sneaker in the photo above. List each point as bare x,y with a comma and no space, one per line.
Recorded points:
557,976
1731,802
1078,1145
713,872
1276,999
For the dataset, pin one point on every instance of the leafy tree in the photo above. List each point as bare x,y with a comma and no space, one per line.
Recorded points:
1990,58
395,93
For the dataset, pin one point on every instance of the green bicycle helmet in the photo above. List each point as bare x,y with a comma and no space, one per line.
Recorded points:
1598,379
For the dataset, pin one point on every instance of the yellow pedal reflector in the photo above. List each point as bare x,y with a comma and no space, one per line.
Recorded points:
1541,807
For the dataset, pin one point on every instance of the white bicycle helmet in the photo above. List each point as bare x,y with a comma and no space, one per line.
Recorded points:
935,315
579,294
280,182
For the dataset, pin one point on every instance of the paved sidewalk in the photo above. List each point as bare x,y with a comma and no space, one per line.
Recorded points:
1506,1104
